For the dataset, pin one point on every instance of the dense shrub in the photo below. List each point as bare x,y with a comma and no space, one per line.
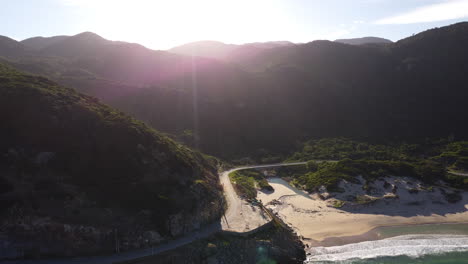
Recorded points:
247,181
427,160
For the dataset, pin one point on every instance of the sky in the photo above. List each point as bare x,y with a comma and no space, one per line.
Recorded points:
162,24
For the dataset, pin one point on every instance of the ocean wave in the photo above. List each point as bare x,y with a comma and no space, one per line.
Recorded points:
413,246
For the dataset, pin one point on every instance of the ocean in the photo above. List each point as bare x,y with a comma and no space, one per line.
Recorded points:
440,243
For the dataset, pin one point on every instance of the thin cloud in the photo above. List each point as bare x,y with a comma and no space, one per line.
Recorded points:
344,31
447,10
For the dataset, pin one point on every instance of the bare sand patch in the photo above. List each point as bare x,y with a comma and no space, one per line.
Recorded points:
241,216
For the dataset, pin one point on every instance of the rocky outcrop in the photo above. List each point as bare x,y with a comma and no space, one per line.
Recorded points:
25,234
43,215
275,245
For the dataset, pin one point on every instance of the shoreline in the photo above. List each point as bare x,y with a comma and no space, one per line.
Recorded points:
318,223
370,235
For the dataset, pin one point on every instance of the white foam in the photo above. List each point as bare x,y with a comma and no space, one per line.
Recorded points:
410,245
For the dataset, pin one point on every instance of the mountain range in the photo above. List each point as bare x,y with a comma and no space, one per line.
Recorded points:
222,51
364,41
248,100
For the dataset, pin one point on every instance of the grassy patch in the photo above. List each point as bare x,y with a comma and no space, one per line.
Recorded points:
338,203
246,182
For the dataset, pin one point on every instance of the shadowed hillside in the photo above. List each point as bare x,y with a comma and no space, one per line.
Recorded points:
71,162
38,43
11,48
263,100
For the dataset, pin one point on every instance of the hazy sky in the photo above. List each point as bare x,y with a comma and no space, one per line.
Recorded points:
162,24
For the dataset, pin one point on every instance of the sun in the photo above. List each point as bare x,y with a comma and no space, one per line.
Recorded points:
169,23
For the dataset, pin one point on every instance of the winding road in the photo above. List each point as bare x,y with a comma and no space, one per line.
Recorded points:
240,216
235,220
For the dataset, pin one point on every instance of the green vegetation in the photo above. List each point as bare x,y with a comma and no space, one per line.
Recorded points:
246,182
290,172
344,148
312,166
426,161
457,181
329,174
456,156
338,203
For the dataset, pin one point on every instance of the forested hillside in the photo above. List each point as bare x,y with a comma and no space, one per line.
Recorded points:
79,177
263,100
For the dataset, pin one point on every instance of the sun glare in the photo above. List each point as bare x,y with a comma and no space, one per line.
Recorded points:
170,23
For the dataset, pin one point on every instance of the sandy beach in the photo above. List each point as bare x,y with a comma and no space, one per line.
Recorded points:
318,222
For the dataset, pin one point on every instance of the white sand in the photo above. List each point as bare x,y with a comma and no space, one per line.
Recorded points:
313,219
